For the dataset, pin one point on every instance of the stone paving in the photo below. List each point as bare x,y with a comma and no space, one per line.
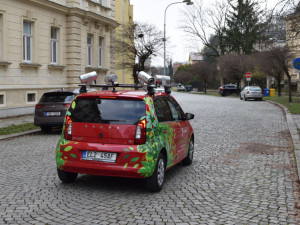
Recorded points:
241,174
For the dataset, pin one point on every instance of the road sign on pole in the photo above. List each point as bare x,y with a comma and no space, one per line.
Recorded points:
248,77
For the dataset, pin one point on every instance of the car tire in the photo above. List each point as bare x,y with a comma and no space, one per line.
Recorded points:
156,181
189,158
241,97
66,177
46,129
245,98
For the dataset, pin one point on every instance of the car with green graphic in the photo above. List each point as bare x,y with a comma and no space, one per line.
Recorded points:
124,133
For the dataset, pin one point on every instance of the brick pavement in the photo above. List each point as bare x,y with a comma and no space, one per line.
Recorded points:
241,174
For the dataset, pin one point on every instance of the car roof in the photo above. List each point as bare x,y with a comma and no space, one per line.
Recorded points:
61,91
135,94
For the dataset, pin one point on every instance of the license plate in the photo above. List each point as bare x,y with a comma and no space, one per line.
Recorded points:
99,156
52,113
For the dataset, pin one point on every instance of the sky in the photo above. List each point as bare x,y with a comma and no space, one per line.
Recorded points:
152,12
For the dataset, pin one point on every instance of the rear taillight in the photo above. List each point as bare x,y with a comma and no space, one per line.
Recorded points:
39,106
222,88
68,128
248,92
140,133
67,105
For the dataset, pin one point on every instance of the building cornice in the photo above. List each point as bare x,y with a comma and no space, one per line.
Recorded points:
86,15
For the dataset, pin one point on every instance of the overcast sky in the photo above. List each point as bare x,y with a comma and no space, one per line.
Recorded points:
152,12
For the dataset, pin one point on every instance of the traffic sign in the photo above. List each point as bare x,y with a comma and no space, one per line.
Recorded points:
248,75
296,63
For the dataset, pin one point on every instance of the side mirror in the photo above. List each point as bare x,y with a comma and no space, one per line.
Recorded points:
189,116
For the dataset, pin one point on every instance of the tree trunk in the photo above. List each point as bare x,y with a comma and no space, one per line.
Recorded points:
289,86
205,85
279,86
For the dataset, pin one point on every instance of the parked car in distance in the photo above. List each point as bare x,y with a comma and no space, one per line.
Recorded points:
180,87
188,88
51,109
227,89
159,89
251,92
122,133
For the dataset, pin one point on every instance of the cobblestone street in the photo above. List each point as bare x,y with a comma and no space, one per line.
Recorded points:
241,174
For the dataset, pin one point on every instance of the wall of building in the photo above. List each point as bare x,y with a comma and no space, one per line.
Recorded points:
128,18
22,83
293,41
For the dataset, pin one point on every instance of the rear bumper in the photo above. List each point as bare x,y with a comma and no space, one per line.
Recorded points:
254,96
49,121
127,164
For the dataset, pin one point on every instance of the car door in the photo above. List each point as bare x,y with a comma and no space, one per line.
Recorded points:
168,129
182,129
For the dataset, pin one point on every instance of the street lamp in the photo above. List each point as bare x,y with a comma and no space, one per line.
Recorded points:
188,2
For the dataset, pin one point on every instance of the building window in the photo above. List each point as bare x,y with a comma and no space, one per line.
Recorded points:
89,49
2,99
54,45
27,41
102,2
100,51
31,97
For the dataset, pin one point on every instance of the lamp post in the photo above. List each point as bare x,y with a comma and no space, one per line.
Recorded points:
188,2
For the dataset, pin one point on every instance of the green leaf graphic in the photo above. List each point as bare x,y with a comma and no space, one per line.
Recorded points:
73,104
125,165
136,165
68,148
135,159
73,155
126,156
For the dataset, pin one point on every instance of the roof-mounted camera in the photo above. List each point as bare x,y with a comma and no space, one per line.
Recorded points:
87,79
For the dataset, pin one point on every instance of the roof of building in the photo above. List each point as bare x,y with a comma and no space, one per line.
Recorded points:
196,56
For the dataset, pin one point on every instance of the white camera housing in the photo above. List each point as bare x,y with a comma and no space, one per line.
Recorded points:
111,79
163,80
145,78
88,78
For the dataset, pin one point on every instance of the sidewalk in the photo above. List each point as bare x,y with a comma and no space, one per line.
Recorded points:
5,122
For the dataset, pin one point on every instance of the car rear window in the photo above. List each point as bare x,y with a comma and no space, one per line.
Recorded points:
254,89
58,97
108,111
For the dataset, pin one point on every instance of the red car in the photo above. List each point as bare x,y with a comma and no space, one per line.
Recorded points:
135,134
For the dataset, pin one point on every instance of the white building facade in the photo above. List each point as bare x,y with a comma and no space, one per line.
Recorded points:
46,45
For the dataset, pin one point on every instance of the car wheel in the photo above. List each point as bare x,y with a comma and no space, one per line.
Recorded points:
241,97
66,177
260,99
46,129
189,158
245,98
156,181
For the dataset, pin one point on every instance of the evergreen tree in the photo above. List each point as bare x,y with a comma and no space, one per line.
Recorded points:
244,28
170,69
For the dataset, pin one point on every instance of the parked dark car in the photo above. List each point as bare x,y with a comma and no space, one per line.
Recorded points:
188,88
51,110
227,89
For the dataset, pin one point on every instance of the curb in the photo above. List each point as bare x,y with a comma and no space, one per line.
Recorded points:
294,133
3,137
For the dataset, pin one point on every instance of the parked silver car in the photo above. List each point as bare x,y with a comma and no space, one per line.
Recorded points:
251,92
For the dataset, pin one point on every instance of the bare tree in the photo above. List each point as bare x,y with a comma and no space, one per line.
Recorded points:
204,72
266,63
282,57
234,67
141,42
202,23
183,77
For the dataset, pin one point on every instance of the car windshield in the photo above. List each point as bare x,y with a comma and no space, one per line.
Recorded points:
57,97
254,89
108,111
